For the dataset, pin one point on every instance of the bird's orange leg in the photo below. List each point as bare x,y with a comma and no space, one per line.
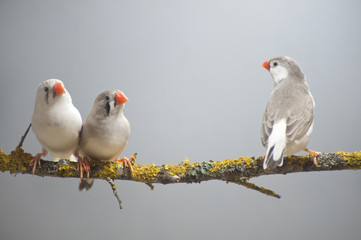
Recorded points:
86,166
126,161
80,164
83,165
36,160
314,154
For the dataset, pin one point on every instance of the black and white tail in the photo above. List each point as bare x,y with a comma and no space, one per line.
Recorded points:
86,184
276,146
272,159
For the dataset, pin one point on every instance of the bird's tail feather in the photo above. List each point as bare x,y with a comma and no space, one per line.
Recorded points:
274,157
86,184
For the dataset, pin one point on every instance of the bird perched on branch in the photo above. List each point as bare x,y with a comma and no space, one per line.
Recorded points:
105,133
55,122
288,118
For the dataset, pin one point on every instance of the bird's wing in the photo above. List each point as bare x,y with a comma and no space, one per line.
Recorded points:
299,118
267,124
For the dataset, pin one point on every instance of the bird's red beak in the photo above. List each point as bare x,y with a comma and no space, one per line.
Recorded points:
59,89
120,98
266,65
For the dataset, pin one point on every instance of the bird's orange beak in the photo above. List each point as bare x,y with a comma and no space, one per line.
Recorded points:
59,89
266,65
120,98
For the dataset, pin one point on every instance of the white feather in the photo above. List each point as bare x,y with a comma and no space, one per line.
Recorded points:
278,73
278,138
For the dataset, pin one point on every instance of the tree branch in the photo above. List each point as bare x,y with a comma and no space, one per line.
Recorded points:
238,170
20,145
114,189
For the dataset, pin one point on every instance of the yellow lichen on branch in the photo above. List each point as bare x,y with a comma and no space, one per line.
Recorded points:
237,170
237,161
352,159
180,169
16,162
145,173
19,162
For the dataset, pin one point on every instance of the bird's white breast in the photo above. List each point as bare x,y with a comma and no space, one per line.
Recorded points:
106,139
57,129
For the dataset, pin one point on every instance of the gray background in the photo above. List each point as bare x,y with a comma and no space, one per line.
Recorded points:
191,71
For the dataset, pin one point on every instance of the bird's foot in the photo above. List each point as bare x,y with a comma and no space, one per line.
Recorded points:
315,155
127,161
83,165
36,161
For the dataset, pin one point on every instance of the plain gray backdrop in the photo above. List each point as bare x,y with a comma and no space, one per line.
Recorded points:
192,73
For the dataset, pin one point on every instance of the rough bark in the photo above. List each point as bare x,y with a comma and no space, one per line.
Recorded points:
238,170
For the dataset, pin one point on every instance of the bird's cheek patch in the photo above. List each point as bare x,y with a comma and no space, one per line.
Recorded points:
279,73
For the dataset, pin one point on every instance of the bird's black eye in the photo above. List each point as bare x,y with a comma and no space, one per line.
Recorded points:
46,89
275,64
107,98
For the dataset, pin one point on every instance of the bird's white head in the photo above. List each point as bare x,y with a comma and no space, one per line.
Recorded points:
50,92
